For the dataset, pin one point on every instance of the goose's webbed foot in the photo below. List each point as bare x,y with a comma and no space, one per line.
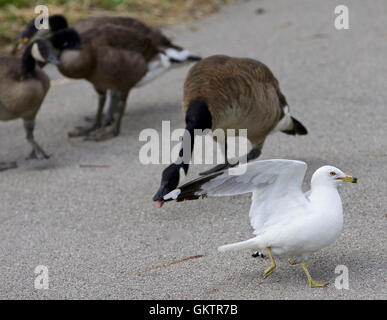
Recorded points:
102,134
7,165
84,131
38,153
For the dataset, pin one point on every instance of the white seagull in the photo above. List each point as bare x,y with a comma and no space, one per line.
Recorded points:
286,221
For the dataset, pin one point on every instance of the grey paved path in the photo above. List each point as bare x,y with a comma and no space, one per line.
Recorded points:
99,233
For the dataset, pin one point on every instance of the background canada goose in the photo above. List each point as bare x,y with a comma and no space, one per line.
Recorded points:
222,92
23,87
174,52
110,57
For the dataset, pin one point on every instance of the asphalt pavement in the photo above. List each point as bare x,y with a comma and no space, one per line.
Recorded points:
87,213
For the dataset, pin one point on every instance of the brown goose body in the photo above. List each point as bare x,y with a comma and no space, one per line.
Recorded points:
240,93
141,28
107,59
222,92
20,98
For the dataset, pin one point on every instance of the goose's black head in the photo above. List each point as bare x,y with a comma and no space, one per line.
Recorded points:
66,39
40,52
55,23
169,182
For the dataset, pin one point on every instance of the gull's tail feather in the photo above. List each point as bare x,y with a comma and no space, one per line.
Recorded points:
247,244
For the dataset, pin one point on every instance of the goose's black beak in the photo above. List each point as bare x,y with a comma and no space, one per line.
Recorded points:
158,197
52,59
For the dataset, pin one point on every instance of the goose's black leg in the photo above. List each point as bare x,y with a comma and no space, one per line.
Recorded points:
253,154
221,166
37,152
107,118
114,128
85,131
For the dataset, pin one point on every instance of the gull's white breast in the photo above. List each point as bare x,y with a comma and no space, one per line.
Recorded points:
304,230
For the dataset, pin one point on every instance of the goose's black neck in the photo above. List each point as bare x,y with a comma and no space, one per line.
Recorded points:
28,65
197,116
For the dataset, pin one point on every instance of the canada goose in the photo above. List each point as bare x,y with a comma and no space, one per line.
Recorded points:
110,57
59,22
222,92
23,87
286,221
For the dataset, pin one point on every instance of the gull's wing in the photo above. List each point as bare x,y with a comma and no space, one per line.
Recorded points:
281,177
275,184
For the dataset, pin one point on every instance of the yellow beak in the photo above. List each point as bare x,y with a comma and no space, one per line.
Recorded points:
349,179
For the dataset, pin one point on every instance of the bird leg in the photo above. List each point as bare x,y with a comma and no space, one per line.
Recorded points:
7,165
37,152
112,130
85,131
311,282
220,167
107,119
269,270
113,108
253,154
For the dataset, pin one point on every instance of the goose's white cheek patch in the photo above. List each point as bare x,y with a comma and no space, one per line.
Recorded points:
36,53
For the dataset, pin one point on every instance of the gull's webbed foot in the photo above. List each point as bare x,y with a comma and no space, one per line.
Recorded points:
315,284
7,165
311,282
269,271
292,261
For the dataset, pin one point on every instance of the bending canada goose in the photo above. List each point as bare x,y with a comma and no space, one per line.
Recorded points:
222,92
174,52
110,57
286,220
23,87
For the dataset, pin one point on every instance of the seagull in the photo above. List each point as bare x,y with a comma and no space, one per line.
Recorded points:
286,221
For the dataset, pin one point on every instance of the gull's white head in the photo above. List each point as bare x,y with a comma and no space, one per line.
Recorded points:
331,176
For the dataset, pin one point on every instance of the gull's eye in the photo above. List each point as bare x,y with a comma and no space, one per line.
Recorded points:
332,173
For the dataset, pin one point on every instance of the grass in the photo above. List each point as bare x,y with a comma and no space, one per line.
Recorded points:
15,14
